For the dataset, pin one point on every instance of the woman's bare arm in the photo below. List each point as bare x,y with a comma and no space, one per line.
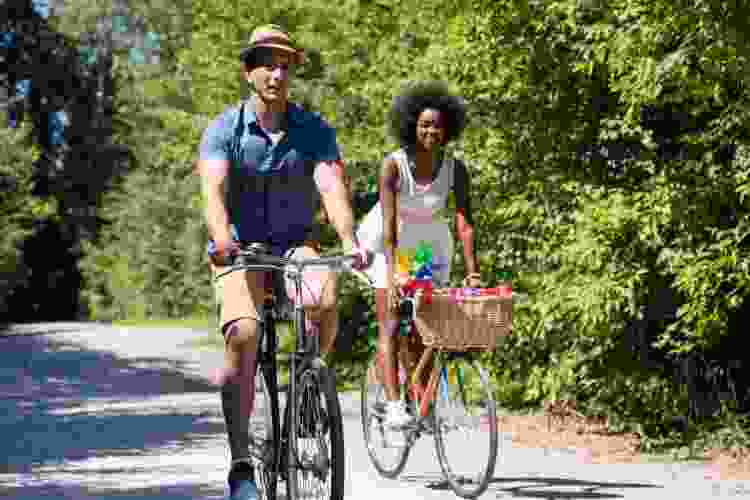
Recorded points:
464,218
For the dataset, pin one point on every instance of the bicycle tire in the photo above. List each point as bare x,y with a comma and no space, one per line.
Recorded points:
476,391
374,391
264,445
307,419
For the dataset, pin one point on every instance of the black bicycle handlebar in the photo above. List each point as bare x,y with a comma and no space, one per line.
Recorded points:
252,260
245,257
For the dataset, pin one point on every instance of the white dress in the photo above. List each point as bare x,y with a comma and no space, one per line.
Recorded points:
420,219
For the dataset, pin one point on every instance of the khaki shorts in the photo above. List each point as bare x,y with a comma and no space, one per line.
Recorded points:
239,295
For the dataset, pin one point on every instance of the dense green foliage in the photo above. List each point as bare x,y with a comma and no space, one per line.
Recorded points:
595,243
592,245
541,79
19,209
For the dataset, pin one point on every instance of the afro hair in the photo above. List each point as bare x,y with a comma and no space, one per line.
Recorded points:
417,97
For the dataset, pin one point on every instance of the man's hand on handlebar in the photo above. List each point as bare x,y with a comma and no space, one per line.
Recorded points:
224,251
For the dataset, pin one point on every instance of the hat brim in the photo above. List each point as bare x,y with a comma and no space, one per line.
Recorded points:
297,54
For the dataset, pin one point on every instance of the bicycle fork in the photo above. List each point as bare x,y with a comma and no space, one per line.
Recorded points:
308,340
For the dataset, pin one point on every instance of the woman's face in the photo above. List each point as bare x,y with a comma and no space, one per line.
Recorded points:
430,129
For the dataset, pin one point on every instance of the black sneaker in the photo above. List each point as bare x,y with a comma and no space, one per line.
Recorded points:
242,482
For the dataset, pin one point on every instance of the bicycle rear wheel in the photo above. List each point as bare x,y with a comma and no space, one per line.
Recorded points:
387,455
466,434
316,439
264,432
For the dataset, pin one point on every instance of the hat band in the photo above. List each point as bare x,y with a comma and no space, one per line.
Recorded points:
272,38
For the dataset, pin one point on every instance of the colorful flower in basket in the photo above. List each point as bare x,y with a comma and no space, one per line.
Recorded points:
415,270
423,254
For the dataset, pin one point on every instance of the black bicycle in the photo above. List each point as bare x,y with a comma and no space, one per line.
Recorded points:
309,459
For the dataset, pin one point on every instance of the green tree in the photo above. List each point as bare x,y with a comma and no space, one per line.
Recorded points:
545,78
18,208
593,241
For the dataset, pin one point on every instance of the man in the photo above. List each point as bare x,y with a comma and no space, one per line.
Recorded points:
264,165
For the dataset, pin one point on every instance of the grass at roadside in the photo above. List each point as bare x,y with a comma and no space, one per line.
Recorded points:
212,339
193,322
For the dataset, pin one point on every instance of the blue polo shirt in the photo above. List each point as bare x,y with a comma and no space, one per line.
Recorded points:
271,194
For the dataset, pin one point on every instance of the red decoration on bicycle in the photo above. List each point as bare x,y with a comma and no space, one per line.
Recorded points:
410,288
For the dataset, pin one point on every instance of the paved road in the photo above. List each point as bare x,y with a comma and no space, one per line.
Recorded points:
92,411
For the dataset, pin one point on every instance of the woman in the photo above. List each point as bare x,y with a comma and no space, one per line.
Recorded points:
414,185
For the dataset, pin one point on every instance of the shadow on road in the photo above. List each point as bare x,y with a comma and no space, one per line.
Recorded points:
50,410
186,492
549,488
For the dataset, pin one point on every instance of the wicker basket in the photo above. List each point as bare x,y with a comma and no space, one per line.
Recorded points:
462,324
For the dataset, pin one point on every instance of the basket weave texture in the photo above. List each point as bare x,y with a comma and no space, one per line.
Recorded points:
460,324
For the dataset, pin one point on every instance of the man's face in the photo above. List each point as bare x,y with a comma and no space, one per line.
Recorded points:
269,74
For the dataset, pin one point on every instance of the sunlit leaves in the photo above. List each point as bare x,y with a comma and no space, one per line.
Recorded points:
19,209
542,80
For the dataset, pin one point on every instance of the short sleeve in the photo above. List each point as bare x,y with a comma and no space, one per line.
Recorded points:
396,184
216,139
327,149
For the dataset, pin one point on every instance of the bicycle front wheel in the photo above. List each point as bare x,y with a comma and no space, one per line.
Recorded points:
264,431
466,434
316,439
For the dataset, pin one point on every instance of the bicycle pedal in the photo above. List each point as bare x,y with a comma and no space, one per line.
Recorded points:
427,426
379,409
406,428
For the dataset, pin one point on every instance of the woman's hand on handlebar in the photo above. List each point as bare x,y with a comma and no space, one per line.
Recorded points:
393,293
472,280
363,257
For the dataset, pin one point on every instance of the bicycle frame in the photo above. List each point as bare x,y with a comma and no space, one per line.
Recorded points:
425,368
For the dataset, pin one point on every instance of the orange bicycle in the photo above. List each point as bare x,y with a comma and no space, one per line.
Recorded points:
446,389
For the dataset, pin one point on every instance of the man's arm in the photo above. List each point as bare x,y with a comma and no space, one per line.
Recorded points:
213,176
213,167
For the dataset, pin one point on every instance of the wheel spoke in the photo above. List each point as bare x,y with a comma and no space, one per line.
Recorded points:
319,445
466,420
388,449
263,429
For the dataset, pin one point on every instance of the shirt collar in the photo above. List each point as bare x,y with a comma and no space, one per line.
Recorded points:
295,115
